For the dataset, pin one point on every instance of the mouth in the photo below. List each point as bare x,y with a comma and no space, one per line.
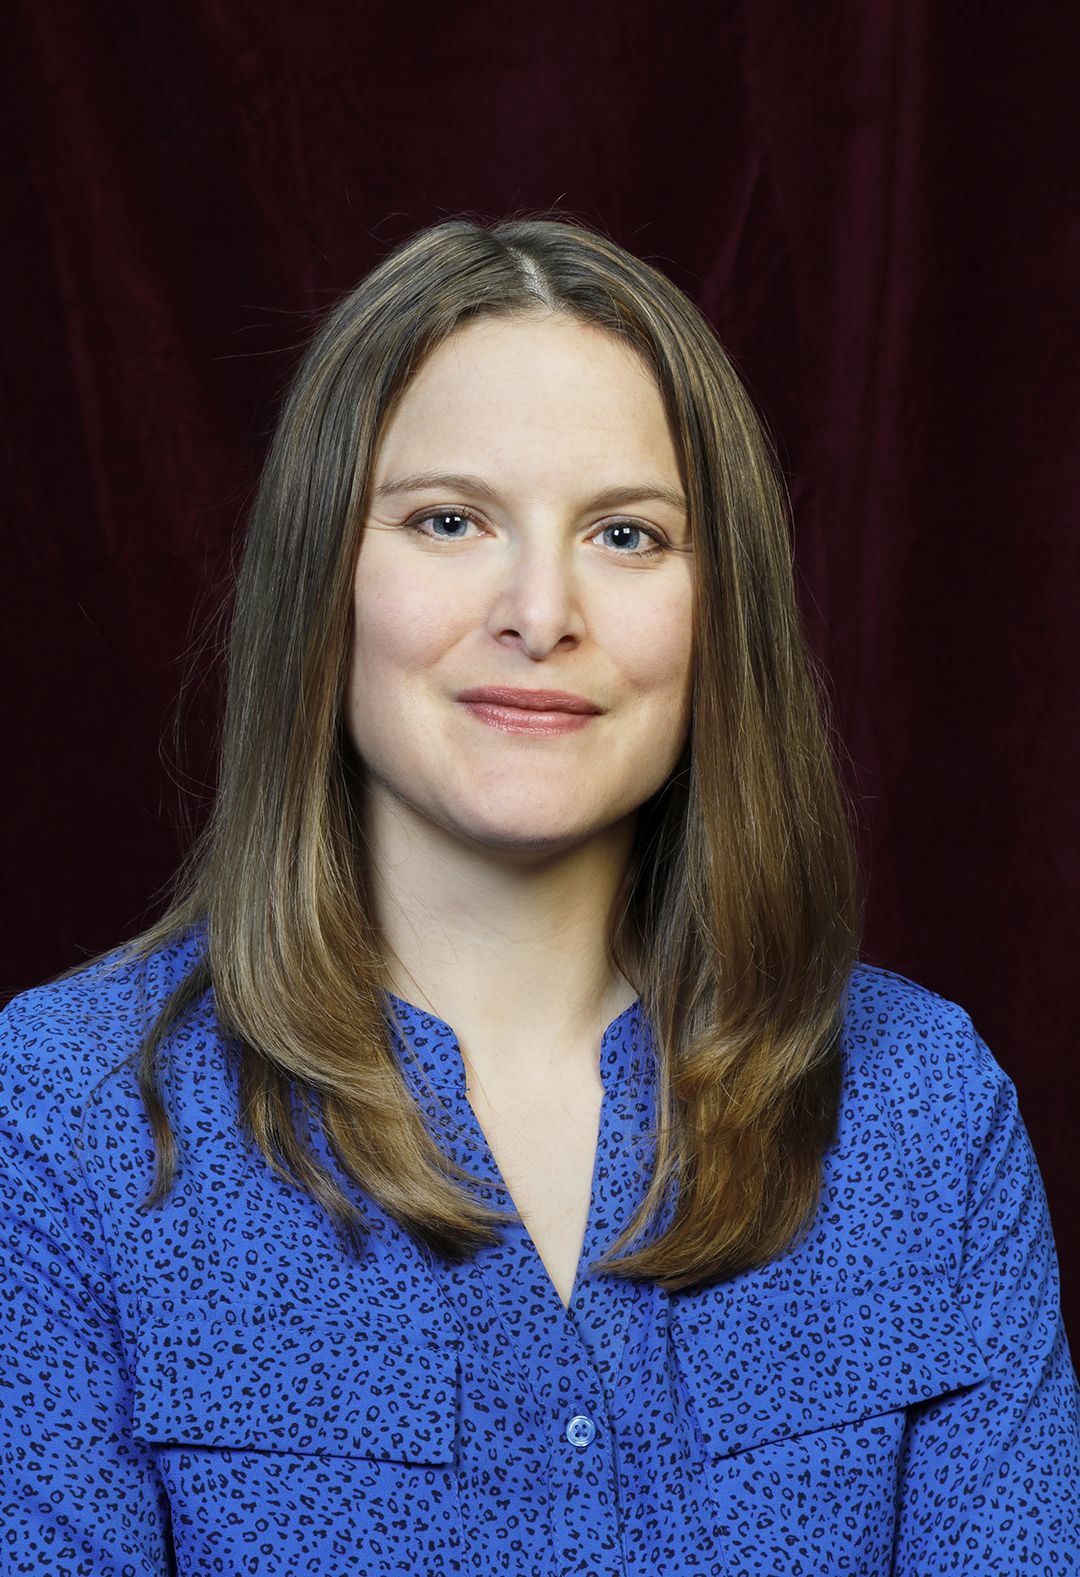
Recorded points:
546,702
536,712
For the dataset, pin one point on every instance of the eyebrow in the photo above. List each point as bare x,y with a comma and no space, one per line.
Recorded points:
608,498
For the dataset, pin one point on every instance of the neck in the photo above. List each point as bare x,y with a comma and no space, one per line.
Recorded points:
509,949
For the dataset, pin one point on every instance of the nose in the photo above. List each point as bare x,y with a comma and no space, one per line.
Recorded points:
537,598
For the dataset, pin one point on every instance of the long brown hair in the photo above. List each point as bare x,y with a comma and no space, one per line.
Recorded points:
739,915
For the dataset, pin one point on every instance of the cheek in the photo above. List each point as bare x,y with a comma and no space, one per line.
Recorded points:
397,633
400,628
654,648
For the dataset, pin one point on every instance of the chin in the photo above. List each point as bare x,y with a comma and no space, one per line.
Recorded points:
525,835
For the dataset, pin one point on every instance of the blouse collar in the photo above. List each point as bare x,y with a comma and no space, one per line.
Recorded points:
626,1051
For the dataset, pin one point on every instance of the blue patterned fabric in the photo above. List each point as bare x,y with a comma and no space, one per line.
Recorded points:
214,1387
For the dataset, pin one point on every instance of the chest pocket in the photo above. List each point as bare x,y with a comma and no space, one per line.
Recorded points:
764,1369
275,1384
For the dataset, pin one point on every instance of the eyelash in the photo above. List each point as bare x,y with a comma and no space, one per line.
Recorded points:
466,514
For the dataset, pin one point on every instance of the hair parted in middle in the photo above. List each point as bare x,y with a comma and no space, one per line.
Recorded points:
739,914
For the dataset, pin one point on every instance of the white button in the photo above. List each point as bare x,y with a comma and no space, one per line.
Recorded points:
580,1430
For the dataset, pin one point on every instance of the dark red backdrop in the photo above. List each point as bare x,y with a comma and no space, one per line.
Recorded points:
877,205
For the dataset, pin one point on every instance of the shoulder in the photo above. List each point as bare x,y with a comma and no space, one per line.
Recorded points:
913,1042
917,1059
880,1001
59,1040
59,1043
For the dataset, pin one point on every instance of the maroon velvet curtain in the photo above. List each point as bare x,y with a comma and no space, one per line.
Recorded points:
876,204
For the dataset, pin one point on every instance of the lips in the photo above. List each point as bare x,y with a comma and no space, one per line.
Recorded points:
530,700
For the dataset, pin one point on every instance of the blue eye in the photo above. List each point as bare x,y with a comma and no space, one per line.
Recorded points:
636,531
462,518
442,515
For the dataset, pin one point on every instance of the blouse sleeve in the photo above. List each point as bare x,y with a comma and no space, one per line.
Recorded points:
990,1476
77,1493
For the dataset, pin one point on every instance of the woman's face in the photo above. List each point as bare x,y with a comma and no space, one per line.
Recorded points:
513,571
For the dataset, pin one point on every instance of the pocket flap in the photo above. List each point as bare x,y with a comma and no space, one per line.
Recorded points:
762,1369
223,1379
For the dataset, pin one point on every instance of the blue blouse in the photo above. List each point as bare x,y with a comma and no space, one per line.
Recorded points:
215,1387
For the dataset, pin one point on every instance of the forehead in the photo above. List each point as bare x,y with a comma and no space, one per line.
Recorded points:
502,388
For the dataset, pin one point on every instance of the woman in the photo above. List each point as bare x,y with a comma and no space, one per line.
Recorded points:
497,1159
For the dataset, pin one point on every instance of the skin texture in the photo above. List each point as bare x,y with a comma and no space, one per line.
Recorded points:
497,856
